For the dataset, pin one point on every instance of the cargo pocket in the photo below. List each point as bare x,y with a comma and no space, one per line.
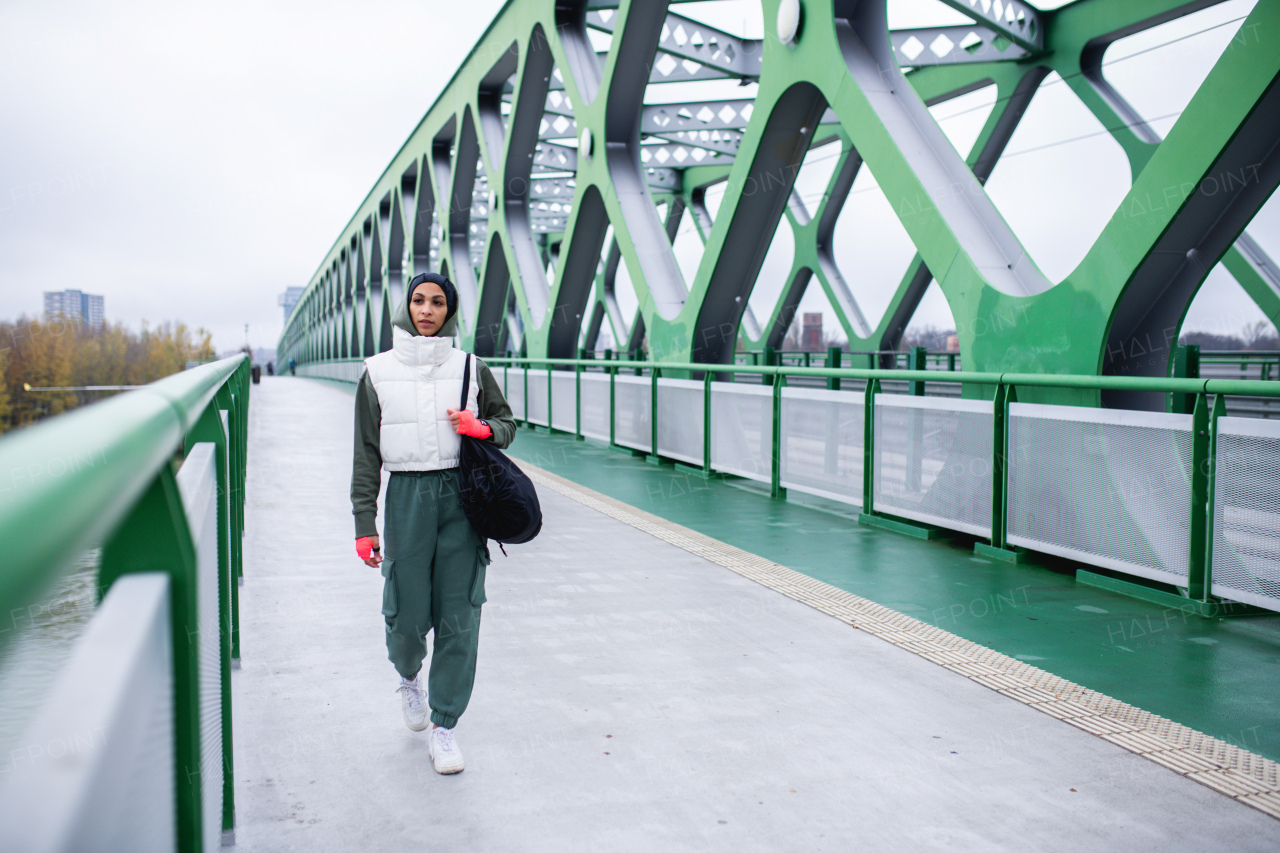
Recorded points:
477,583
389,599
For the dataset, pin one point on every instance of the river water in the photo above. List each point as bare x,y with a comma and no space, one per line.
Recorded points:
35,644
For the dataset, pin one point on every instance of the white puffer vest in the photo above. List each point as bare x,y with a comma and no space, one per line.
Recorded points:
418,380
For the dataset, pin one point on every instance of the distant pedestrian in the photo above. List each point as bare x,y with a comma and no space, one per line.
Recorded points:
293,367
271,368
406,421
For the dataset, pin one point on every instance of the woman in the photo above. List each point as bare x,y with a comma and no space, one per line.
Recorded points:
408,421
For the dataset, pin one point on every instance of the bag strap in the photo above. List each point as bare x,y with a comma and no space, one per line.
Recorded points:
466,382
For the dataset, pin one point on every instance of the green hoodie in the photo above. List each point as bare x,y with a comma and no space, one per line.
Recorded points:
366,469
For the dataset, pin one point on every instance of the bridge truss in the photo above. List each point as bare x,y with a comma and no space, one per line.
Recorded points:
552,175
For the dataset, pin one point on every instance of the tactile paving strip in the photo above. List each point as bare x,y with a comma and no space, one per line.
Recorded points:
1238,773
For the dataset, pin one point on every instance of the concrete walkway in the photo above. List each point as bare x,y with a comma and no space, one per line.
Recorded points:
633,696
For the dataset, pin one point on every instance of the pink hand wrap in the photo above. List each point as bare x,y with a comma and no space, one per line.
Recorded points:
364,547
469,424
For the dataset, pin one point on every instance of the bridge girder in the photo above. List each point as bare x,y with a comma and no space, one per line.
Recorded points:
552,158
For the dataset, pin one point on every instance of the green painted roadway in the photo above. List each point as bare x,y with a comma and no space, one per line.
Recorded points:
1220,676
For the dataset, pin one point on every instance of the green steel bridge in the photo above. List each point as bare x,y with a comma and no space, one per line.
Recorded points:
1059,543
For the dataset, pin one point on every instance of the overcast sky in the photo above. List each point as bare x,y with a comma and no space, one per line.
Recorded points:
190,162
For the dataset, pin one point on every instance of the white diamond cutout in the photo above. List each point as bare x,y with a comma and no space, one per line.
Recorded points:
727,114
911,48
941,45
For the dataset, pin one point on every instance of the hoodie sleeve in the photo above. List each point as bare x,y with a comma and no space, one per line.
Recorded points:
494,408
366,467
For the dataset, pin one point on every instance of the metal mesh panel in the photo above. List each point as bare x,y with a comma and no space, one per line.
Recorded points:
343,371
933,461
564,400
537,400
105,777
1108,487
1246,512
595,405
822,438
742,430
632,409
680,419
198,485
515,392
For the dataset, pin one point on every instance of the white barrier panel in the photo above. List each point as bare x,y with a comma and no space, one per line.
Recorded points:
1108,487
632,411
515,392
680,420
822,442
343,371
564,400
537,400
595,405
742,430
932,461
1246,512
97,773
198,485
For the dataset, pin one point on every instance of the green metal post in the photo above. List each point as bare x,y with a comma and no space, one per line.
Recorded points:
654,373
613,377
577,393
527,422
1200,509
1185,365
998,481
868,445
245,385
550,371
834,356
706,421
155,538
1219,410
775,474
235,418
771,359
917,360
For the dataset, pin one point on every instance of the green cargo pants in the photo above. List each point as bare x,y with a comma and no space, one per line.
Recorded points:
434,568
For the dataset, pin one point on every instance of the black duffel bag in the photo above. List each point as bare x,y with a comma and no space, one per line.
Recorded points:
498,498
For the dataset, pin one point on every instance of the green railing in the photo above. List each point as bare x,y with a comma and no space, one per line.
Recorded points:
1203,399
834,357
109,475
1266,365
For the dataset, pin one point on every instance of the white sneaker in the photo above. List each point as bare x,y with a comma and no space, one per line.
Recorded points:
444,751
413,704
